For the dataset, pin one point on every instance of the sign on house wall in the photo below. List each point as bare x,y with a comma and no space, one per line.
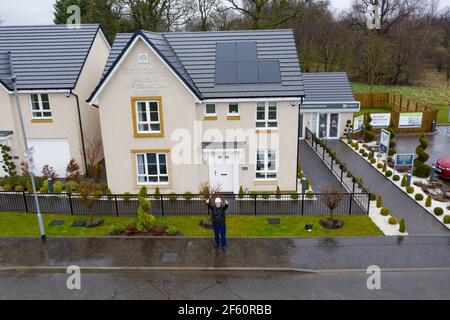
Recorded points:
410,120
380,120
358,123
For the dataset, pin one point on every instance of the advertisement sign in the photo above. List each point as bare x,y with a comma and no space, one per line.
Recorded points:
385,137
380,120
404,162
410,120
358,123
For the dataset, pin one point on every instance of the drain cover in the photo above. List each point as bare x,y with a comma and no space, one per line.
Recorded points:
274,221
57,223
169,257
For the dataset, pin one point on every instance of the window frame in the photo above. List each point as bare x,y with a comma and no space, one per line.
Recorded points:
266,172
266,119
233,114
146,174
135,116
210,114
41,109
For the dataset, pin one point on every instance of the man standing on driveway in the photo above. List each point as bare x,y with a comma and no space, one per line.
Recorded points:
218,221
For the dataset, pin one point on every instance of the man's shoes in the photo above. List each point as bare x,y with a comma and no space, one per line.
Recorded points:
224,248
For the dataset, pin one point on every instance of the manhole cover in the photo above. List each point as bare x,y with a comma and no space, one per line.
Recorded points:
274,221
169,257
57,223
78,224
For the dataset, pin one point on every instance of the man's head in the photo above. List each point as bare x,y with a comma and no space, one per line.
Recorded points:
218,202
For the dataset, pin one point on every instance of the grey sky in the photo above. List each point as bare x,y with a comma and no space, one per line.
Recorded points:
31,12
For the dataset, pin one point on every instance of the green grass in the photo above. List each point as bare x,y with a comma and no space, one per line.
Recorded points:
435,97
23,224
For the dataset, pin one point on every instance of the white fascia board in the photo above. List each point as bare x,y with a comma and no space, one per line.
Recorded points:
6,89
251,100
44,91
94,100
104,38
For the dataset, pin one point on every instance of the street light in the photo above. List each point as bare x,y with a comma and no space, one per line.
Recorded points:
25,143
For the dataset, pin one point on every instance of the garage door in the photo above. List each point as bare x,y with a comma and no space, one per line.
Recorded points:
54,152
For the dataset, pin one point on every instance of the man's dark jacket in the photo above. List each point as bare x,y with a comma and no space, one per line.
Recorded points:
218,214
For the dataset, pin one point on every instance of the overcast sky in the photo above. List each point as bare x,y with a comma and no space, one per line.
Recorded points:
30,12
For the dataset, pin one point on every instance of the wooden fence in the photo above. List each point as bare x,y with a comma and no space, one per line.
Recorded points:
398,104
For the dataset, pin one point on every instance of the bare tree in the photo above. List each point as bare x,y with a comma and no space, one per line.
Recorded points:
92,154
332,198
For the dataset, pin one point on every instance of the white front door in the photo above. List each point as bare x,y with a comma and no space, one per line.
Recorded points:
221,170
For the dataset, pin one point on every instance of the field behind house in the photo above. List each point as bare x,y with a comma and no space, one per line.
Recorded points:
438,98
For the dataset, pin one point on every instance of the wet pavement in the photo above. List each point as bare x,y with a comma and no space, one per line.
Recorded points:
438,144
224,286
315,169
301,253
418,220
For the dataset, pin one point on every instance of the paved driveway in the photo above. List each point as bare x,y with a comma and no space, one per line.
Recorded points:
418,220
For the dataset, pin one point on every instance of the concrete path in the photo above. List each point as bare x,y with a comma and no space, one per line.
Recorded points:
215,285
418,220
192,253
315,169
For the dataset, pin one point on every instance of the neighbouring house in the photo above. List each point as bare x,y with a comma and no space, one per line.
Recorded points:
56,67
178,110
328,105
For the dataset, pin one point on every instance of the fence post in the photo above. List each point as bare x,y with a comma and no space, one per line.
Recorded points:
368,203
351,203
342,172
254,203
117,208
25,201
162,204
70,204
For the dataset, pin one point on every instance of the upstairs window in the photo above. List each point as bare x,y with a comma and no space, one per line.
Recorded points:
148,116
233,109
266,115
40,106
210,109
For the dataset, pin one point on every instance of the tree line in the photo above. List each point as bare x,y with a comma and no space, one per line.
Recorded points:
414,36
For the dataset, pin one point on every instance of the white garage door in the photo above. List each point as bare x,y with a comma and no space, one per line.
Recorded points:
54,152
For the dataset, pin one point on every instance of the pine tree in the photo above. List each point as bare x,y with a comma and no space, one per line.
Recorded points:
392,142
369,136
421,169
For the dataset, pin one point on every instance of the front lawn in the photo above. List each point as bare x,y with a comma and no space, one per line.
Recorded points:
25,224
435,97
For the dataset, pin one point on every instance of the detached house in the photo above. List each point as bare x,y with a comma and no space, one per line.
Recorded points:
181,109
56,68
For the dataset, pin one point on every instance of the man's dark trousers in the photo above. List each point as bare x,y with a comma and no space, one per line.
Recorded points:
220,234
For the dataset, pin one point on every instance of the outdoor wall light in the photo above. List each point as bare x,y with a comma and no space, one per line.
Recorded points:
308,227
294,103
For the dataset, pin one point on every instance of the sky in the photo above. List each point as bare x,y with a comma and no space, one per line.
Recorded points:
32,12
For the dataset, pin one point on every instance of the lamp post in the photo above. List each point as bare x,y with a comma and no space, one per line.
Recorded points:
25,143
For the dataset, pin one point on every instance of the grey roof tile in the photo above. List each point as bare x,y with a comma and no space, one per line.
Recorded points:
327,87
44,57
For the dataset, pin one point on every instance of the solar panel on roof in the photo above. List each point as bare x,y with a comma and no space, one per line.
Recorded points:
226,51
246,51
247,72
226,72
269,71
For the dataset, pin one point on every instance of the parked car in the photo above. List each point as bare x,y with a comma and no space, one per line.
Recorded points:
443,167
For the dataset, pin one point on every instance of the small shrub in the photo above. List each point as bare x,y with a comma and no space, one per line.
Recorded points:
127,196
392,220
373,196
396,177
373,160
402,227
71,186
307,184
265,195
447,219
438,211
379,201
143,192
7,187
157,194
379,165
172,231
19,188
118,228
361,151
310,194
384,167
418,197
385,211
428,201
58,187
241,193
145,220
278,193
410,190
388,173
187,195
294,196
43,189
173,196
98,194
404,180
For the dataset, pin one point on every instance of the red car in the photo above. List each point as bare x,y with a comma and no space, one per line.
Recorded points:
443,167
